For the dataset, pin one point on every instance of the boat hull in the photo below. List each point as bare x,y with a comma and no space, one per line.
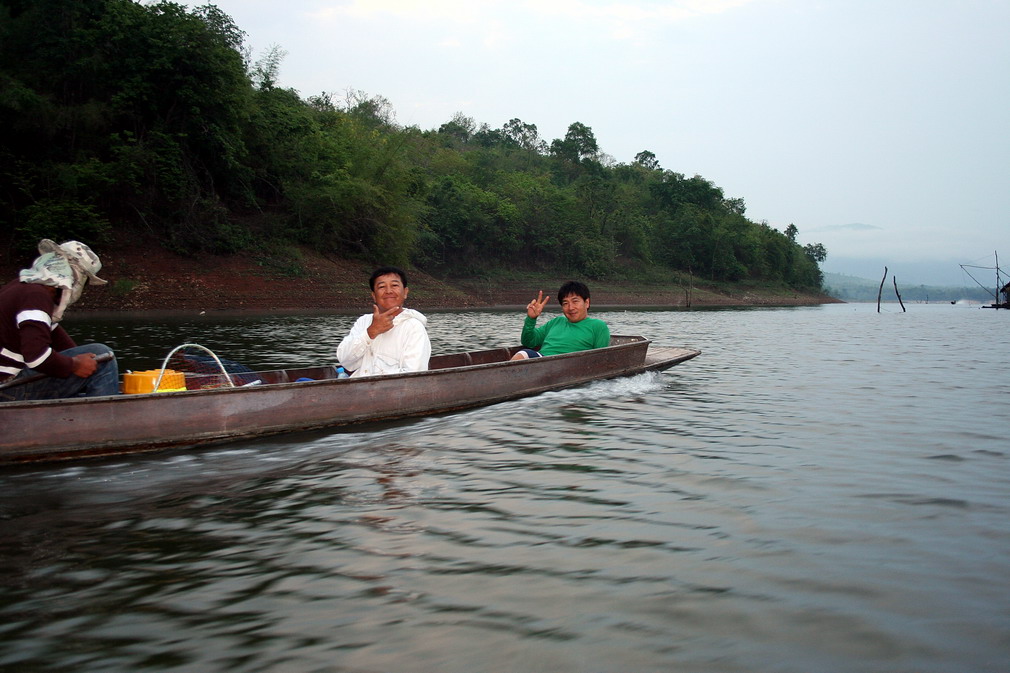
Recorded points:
54,430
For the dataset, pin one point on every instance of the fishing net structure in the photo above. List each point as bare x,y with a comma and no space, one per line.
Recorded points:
201,368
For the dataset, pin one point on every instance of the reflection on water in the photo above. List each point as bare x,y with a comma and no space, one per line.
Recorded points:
824,489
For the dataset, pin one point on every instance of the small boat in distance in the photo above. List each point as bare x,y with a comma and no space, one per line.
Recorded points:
68,429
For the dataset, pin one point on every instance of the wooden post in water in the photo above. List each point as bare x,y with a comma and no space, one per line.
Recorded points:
995,304
881,288
895,279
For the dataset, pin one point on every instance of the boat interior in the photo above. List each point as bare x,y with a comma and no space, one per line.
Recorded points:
200,381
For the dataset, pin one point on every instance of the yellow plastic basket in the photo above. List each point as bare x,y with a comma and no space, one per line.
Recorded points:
143,382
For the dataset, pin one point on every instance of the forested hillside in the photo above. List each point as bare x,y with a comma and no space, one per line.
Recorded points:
122,119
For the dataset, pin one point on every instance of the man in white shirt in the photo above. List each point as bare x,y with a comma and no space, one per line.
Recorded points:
391,339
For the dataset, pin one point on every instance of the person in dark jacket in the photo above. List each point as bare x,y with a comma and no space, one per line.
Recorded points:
32,342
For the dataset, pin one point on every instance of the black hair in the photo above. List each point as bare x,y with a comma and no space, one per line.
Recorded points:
573,287
386,270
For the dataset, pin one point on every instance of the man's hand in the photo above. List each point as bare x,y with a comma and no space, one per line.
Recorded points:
536,307
382,321
84,365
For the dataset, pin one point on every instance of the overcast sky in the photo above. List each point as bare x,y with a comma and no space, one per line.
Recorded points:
880,128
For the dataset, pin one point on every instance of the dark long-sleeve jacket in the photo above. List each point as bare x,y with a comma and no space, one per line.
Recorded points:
28,337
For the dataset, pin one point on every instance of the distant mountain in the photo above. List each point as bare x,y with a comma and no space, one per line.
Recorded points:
940,273
854,288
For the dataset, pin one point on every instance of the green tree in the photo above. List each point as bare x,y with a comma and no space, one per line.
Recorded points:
467,227
816,252
578,145
524,136
139,110
575,153
647,160
460,128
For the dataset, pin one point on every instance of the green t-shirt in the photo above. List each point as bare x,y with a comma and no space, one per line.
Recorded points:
559,335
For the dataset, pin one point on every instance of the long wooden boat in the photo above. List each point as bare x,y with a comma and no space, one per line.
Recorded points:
67,429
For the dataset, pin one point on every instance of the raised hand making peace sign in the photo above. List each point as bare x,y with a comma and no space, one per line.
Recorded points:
536,307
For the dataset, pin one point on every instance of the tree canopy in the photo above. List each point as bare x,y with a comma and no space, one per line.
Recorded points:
117,116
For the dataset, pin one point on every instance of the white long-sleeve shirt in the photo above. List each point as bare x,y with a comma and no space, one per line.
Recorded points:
405,348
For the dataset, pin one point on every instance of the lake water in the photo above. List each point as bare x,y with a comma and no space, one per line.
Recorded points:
823,489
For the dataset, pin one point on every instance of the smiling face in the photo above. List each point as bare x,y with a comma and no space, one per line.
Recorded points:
575,307
389,291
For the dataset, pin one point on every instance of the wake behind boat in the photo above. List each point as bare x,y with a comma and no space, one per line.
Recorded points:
67,429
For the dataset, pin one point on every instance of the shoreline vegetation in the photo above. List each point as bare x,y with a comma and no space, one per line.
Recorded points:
151,280
143,127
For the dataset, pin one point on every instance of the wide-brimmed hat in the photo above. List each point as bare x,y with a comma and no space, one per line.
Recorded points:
68,266
78,254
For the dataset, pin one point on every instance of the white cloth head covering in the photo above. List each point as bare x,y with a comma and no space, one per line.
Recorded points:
68,266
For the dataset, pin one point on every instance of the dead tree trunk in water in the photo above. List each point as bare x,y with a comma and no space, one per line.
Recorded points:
881,288
895,279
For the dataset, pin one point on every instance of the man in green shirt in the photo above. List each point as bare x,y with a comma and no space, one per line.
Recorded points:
574,331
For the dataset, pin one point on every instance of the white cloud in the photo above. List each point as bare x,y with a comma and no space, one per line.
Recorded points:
497,36
621,20
854,226
432,11
633,12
